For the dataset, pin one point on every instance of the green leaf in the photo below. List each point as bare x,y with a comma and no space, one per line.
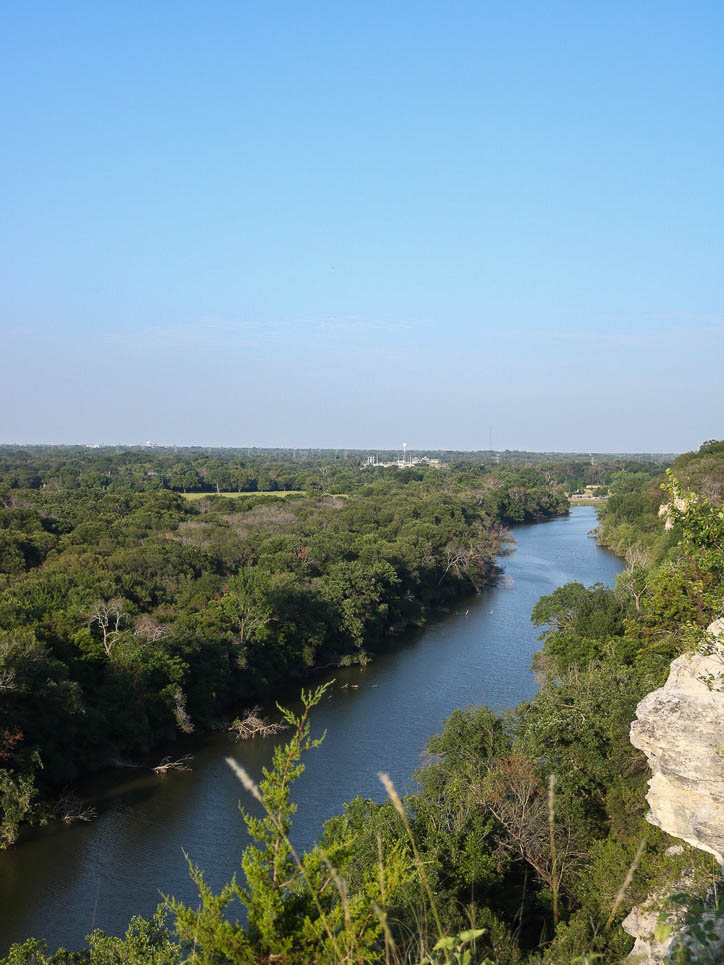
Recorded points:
446,942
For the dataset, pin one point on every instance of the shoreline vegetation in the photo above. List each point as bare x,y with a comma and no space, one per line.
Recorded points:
132,613
527,841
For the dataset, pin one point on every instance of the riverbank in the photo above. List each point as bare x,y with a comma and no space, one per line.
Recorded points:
128,618
469,570
78,802
52,881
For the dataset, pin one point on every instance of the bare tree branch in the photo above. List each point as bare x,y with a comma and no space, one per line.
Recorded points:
109,616
525,809
183,720
70,808
168,764
252,724
636,577
149,628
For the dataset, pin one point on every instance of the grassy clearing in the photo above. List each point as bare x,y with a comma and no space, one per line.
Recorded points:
279,494
273,493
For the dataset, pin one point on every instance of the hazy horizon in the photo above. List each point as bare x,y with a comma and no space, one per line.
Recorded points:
411,450
389,446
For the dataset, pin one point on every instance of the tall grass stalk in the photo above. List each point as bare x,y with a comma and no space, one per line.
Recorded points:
552,834
390,946
626,883
341,887
395,798
378,912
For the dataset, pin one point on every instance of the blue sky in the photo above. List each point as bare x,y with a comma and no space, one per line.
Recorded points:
325,224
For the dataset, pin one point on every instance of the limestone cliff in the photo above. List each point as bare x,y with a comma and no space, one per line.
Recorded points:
680,728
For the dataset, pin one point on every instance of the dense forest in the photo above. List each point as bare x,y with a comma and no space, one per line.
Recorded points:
123,469
526,840
129,614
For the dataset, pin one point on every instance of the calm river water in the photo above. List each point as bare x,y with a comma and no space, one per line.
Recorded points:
60,882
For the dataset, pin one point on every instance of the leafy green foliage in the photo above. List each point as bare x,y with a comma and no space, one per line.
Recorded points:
147,942
129,614
583,623
17,793
525,838
298,909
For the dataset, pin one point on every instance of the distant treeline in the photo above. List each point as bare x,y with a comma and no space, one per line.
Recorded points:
195,470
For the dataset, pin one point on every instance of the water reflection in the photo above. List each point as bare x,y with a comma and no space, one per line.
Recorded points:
60,880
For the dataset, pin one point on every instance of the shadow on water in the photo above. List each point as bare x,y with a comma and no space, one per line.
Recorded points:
60,880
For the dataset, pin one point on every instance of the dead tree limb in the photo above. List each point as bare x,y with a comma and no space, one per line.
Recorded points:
168,764
252,724
70,808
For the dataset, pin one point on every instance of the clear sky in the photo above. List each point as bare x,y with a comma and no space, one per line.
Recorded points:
338,224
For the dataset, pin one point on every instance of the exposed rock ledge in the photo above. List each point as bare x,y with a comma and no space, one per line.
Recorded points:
680,728
641,923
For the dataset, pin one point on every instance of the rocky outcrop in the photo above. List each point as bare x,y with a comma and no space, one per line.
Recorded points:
680,728
640,923
650,948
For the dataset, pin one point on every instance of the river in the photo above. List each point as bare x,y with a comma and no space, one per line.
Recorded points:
60,881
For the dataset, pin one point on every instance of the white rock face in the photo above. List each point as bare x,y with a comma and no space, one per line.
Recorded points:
680,728
640,923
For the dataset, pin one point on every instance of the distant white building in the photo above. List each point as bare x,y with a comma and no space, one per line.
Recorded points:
404,461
